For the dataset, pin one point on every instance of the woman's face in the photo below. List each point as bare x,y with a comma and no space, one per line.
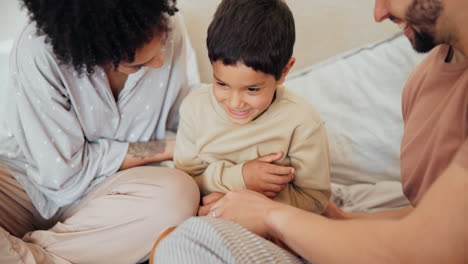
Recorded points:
150,55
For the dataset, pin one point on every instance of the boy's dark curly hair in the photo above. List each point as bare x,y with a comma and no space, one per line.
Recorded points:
86,33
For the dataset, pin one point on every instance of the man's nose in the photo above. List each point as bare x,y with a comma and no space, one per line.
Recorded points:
380,11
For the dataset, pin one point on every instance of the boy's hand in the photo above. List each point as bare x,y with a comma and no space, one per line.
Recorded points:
207,201
266,178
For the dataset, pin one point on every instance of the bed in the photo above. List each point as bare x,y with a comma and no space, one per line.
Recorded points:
352,75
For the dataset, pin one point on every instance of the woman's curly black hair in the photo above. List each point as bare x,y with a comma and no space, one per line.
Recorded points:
86,33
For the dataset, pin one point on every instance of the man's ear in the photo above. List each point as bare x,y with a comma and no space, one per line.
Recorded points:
286,70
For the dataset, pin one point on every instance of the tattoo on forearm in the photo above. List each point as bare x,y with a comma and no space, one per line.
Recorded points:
143,150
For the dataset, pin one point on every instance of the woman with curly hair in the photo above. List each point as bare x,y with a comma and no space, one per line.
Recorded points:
94,87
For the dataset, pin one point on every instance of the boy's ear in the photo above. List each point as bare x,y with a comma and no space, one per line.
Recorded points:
286,70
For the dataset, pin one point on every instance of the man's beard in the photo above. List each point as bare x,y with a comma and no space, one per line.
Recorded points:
423,42
424,15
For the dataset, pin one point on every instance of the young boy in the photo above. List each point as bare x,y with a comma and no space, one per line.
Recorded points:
246,130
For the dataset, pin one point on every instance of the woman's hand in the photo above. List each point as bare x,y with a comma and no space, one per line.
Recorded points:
141,153
247,208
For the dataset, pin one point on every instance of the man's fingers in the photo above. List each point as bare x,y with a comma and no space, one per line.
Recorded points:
212,197
204,210
271,157
218,207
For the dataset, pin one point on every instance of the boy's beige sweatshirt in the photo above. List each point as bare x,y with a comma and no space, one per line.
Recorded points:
213,150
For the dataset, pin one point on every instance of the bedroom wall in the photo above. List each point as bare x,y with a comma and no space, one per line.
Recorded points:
12,19
324,27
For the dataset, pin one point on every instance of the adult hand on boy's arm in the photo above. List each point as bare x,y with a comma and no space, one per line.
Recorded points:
262,176
207,201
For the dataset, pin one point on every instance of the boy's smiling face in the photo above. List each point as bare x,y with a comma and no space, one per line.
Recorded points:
243,92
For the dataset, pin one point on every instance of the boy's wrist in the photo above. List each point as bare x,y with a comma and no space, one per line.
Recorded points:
245,177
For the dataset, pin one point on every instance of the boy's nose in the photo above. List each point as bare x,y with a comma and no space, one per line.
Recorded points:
380,11
235,101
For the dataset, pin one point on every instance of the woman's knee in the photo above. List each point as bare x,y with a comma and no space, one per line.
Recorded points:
180,186
162,177
168,190
177,191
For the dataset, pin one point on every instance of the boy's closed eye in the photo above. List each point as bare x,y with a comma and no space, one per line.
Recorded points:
253,90
220,83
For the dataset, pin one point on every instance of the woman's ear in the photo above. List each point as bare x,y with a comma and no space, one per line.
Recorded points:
286,70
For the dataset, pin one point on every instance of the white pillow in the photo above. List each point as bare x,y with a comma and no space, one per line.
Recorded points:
358,95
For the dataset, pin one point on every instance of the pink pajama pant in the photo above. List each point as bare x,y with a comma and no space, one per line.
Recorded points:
117,222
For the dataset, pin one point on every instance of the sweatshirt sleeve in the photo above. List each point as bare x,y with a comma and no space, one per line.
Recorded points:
309,155
62,161
216,176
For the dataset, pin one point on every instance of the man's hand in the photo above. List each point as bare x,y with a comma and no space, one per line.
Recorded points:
262,176
208,201
247,208
333,211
